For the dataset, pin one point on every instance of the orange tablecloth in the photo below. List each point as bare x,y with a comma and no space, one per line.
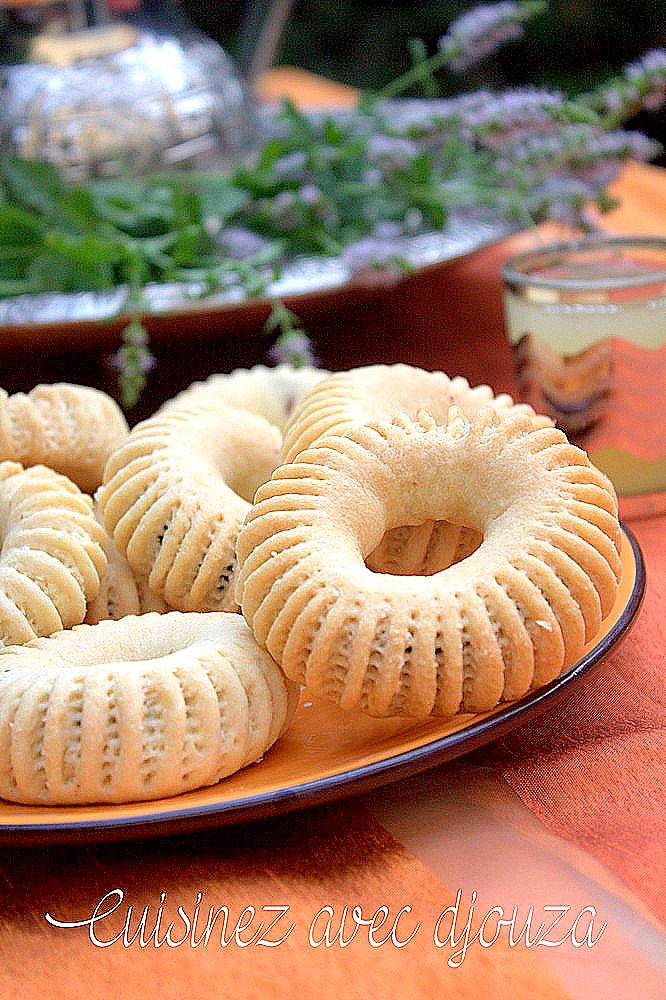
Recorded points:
563,819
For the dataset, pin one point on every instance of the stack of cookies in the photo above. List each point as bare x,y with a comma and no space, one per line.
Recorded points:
393,539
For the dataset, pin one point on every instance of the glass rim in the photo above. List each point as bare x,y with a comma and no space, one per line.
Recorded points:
512,274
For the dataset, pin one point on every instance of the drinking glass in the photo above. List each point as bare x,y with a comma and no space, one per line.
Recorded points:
586,320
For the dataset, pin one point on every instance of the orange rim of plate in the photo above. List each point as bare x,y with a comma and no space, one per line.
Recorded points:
326,754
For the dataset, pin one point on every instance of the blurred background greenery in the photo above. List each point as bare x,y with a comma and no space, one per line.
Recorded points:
573,46
363,42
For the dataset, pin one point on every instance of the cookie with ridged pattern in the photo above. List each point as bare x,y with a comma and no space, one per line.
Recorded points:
51,553
271,393
69,428
136,709
378,392
120,592
507,619
175,494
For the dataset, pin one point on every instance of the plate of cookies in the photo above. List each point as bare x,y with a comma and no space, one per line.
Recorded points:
283,587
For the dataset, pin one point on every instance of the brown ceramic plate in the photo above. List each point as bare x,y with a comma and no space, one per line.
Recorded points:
325,755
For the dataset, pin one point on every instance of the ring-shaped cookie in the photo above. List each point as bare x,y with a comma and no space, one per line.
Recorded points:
51,553
508,618
378,392
120,592
136,709
175,494
271,393
70,428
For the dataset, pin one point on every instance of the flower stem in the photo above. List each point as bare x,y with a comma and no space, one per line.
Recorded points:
455,44
417,74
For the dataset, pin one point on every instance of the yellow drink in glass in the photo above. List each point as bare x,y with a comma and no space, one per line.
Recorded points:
587,323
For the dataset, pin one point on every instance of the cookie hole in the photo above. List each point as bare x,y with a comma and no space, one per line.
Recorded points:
424,549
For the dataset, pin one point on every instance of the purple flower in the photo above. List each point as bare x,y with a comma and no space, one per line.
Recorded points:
481,31
293,349
512,114
391,152
641,86
310,194
283,210
648,76
291,165
241,243
143,360
388,230
372,175
561,197
575,147
413,221
317,204
634,144
436,117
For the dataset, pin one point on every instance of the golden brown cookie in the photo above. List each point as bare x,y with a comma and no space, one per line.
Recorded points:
51,552
136,709
70,428
271,393
175,494
378,392
509,618
120,593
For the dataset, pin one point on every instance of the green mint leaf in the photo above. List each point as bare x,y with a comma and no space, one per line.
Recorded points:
33,184
19,227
